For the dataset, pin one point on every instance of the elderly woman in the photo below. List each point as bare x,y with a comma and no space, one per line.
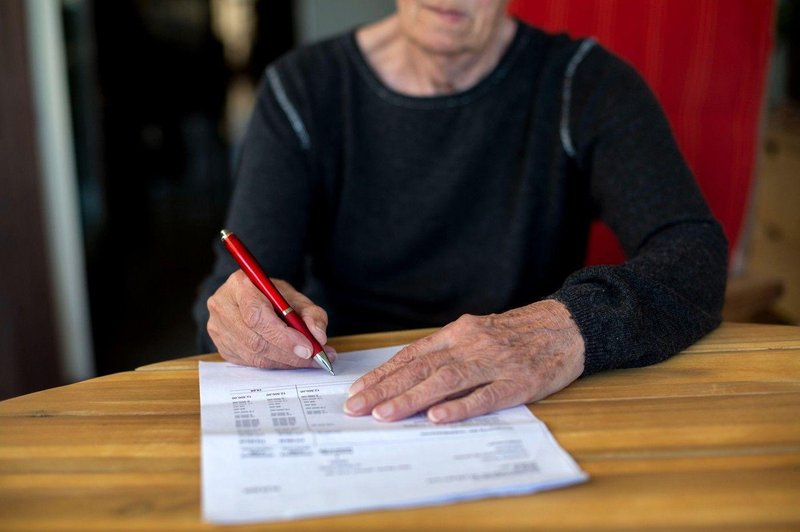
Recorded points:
442,167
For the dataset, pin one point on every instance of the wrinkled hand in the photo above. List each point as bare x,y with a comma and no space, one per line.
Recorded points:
476,365
246,330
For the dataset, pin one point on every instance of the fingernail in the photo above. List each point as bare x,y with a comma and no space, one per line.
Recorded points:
320,333
436,414
355,388
383,411
302,352
354,405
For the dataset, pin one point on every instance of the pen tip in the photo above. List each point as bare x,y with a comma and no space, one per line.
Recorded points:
322,359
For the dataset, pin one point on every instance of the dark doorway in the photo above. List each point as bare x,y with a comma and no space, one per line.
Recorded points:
159,93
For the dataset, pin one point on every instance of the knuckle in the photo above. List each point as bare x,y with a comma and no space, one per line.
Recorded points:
320,314
407,355
252,315
465,323
467,319
451,376
376,394
368,379
503,393
276,336
490,395
490,320
420,369
317,314
475,404
211,327
255,343
408,402
458,410
376,376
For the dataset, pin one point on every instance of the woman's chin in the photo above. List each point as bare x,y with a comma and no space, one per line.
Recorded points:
443,44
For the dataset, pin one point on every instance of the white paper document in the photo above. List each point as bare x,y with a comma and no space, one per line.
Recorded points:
276,444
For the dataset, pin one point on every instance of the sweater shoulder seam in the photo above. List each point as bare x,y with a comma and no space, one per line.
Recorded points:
295,121
566,94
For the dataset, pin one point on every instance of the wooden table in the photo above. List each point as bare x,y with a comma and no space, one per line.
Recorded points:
708,439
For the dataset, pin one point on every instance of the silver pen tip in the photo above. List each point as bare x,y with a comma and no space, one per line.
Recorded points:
322,359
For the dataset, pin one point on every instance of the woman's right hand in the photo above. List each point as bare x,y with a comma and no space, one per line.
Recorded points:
245,329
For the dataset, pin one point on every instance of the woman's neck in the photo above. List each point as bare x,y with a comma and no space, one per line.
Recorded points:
408,68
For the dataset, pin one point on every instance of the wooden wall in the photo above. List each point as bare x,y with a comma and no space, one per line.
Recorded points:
774,249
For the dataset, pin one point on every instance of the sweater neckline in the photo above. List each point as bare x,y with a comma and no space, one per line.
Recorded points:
500,71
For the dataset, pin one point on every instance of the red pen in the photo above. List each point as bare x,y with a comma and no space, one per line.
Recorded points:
250,266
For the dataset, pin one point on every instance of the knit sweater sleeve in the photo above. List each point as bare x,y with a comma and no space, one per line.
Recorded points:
271,196
669,292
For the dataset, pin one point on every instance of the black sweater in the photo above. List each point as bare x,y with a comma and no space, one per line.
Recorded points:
397,212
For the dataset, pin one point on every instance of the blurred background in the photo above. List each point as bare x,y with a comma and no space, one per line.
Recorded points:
119,126
132,111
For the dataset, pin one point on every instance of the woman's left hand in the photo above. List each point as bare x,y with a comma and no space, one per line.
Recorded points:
475,365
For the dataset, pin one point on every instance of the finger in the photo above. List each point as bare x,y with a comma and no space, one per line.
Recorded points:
242,345
445,381
424,346
395,384
266,363
272,340
226,346
264,332
234,340
261,361
331,352
494,396
314,316
259,316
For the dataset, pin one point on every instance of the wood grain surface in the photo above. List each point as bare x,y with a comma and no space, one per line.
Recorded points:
709,439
